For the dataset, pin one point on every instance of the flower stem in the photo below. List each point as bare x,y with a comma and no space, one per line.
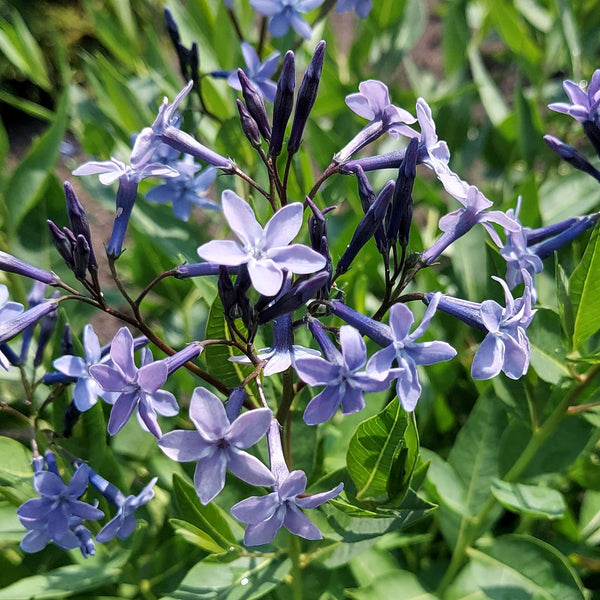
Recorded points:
294,553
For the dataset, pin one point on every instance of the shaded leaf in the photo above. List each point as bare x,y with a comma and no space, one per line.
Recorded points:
533,500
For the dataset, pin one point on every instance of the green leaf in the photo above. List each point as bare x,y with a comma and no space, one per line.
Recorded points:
456,36
474,456
533,500
243,579
217,355
547,353
585,290
196,536
62,582
516,567
565,306
26,186
16,472
209,519
399,585
372,450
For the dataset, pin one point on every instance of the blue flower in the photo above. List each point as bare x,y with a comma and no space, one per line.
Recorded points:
266,251
361,7
584,105
218,445
259,73
186,190
285,14
345,385
265,515
57,516
138,389
87,390
407,353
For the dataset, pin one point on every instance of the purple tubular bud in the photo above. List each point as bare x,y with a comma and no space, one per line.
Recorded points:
593,133
86,541
172,28
400,217
12,328
295,298
465,310
111,492
235,403
283,103
330,352
126,195
317,226
249,126
81,257
72,414
255,104
200,269
66,343
46,330
365,191
550,246
307,94
50,459
10,264
12,357
534,236
227,295
180,358
55,378
37,462
572,156
374,330
184,142
276,458
367,227
78,220
391,160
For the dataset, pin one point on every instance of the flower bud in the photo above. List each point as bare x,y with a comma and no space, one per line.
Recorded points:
572,156
255,104
78,220
10,264
249,126
283,103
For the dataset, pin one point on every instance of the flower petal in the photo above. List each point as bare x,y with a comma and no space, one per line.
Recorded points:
241,219
284,225
250,427
489,358
207,413
266,276
354,348
256,508
209,477
299,524
248,468
184,446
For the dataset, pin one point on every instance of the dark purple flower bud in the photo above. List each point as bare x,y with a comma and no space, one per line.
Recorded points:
307,94
400,217
255,104
235,403
62,244
194,62
572,156
550,246
46,330
10,264
390,160
173,32
367,227
200,269
593,133
227,295
283,103
72,414
82,254
465,310
375,330
126,195
295,298
78,220
249,126
55,377
12,328
66,343
180,358
12,357
367,197
330,352
317,226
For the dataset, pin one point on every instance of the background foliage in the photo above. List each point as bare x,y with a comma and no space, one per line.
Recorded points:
510,500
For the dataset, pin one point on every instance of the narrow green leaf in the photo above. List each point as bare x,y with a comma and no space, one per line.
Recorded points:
565,306
569,28
515,566
209,518
533,500
373,448
26,186
585,290
456,36
62,582
491,97
27,106
196,536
